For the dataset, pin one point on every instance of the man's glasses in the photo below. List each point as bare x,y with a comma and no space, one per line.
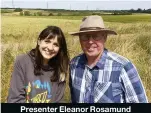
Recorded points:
96,36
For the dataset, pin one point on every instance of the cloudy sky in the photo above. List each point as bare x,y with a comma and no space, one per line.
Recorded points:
78,4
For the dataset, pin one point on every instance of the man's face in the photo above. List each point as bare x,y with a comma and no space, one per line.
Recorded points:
92,43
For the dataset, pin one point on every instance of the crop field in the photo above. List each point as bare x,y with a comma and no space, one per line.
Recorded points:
19,35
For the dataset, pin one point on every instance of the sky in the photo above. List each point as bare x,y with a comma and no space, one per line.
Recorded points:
78,4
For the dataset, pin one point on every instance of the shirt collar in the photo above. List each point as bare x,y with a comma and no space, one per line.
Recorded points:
83,60
100,64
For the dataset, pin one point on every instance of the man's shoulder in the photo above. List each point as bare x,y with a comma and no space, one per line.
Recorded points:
118,58
76,58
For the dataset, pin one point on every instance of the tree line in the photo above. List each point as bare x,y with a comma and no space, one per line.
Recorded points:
61,12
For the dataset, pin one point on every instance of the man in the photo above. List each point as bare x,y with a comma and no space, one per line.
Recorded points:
101,76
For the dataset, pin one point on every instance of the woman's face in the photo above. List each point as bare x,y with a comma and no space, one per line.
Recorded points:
48,48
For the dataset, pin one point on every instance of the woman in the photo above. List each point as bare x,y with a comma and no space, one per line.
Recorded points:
39,76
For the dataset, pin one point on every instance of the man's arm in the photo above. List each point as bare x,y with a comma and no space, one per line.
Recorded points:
132,85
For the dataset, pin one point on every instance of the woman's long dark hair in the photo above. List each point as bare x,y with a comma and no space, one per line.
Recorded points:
60,62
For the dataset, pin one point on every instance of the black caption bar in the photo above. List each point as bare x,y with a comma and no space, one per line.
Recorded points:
74,108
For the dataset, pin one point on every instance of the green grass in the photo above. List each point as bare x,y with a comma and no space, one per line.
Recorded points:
6,11
107,18
19,35
128,18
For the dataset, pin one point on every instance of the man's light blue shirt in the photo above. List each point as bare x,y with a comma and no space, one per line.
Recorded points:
114,79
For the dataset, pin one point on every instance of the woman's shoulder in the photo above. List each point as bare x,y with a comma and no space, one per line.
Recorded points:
22,58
